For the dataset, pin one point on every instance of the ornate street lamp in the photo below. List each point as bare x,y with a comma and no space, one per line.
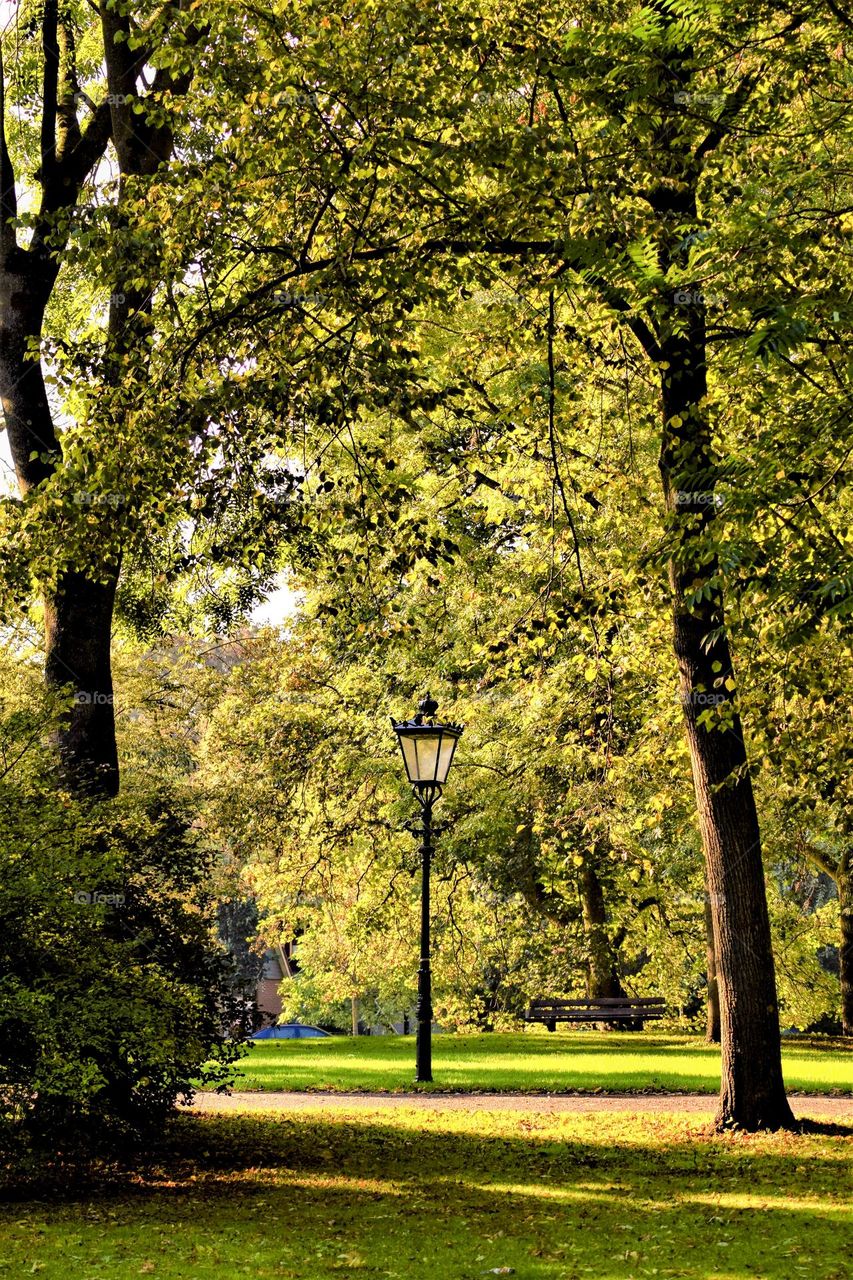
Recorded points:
427,748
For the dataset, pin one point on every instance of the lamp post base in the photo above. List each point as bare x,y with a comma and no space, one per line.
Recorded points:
423,1054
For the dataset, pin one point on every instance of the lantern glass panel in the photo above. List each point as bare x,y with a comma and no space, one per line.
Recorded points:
427,748
445,756
410,756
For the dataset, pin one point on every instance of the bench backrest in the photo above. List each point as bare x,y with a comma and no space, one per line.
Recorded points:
607,1002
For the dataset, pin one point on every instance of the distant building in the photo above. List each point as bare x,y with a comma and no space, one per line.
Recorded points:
278,963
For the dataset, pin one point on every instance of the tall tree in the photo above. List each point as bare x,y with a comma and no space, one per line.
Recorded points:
74,122
649,167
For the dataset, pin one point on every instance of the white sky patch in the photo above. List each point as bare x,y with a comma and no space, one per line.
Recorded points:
8,481
282,604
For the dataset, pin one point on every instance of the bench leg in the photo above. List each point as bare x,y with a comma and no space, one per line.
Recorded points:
552,1024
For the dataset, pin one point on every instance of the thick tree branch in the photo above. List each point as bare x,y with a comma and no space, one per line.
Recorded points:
67,123
843,15
8,197
68,175
141,146
821,860
734,105
50,88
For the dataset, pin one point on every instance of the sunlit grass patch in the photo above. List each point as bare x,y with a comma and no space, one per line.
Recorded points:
523,1062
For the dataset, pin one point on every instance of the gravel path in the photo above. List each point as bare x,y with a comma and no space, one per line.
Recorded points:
547,1104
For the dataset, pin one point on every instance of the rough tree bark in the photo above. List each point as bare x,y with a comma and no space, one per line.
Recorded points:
752,1093
712,999
602,968
845,955
602,977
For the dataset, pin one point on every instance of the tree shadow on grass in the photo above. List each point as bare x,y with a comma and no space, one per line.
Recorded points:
550,1200
825,1128
316,1199
203,1149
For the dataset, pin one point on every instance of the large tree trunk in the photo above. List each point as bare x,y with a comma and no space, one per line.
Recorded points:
602,977
712,999
602,969
78,631
78,615
845,902
26,280
752,1090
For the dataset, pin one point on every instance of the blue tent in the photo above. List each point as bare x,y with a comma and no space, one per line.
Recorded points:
290,1031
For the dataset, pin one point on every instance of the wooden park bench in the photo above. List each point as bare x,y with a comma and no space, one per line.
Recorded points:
611,1009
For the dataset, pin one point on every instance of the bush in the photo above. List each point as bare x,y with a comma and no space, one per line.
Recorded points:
114,993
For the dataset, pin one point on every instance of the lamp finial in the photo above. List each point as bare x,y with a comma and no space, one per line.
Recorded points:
428,706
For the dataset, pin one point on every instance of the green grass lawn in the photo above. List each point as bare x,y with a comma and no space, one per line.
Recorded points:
529,1062
449,1197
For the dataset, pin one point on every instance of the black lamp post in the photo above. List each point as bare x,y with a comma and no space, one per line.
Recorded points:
427,749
